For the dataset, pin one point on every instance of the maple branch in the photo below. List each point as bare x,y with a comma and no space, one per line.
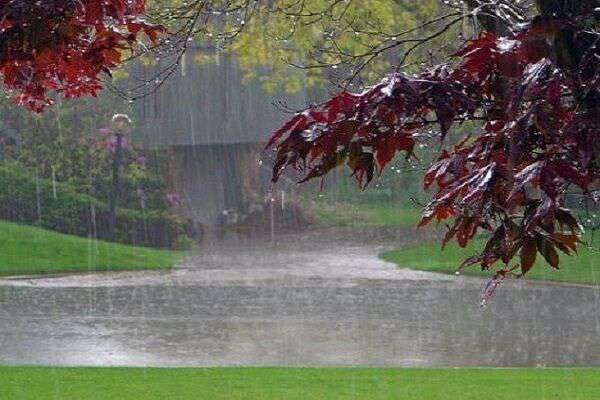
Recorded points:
538,141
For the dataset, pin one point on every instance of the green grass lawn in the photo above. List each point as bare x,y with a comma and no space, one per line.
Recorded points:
373,215
29,250
24,383
582,268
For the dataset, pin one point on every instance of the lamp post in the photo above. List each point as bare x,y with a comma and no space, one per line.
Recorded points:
121,125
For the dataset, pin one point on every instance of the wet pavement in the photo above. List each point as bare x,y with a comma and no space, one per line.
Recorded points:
310,299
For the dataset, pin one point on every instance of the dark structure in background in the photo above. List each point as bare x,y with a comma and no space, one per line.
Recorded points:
215,126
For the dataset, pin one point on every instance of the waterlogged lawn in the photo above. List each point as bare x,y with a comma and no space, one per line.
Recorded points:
29,383
374,215
581,268
28,250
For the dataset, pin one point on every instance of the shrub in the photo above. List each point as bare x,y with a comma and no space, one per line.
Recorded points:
184,242
30,200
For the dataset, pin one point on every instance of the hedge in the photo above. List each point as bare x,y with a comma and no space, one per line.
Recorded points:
28,200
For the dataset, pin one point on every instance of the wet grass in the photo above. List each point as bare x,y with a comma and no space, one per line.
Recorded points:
24,383
26,250
581,268
373,215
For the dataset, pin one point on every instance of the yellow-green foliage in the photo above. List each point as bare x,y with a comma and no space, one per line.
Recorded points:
279,33
273,40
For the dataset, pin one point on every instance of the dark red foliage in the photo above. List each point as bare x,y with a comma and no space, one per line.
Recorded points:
539,138
65,45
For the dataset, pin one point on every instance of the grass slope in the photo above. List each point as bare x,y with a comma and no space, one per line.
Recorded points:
29,250
374,215
29,383
581,268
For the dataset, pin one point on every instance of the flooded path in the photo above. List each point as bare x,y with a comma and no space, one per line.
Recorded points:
311,299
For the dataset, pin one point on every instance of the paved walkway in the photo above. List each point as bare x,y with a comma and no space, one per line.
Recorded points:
311,299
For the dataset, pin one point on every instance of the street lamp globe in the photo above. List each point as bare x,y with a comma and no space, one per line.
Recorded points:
121,123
